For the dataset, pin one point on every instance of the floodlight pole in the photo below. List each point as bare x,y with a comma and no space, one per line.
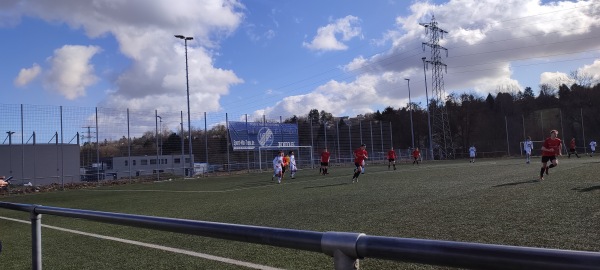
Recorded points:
10,133
160,133
428,114
412,131
187,82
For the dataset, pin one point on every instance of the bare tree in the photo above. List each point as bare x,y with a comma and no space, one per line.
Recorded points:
582,78
547,90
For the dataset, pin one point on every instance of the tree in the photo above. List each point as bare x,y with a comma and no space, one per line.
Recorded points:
490,101
313,116
582,78
547,90
291,120
325,117
528,93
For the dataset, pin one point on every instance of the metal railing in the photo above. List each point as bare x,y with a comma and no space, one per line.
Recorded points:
346,248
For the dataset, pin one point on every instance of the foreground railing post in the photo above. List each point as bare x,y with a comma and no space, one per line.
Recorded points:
36,240
342,247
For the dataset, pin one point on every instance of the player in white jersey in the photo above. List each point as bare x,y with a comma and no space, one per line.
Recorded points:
472,153
293,167
278,166
592,147
528,147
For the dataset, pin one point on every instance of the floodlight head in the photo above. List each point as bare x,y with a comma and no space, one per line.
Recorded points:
189,38
424,58
407,79
179,36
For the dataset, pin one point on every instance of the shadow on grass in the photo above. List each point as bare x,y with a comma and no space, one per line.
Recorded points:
332,185
517,183
260,183
586,189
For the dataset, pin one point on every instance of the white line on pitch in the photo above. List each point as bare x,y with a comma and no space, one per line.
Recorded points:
170,249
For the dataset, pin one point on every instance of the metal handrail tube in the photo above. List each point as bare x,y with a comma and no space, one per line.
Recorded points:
345,247
473,255
18,206
296,239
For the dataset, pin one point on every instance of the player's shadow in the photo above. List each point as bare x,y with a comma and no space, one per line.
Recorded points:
587,189
323,186
256,184
517,183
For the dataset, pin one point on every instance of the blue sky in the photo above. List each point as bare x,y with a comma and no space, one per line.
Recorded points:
282,58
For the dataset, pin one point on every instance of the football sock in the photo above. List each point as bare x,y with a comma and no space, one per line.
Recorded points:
551,166
542,172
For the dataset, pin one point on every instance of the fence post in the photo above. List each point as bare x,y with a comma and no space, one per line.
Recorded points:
227,141
342,247
36,240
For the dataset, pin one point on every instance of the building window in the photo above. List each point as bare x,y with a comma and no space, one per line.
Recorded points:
126,162
152,161
177,160
165,161
134,162
144,162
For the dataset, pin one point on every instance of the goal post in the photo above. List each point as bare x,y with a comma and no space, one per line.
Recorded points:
303,154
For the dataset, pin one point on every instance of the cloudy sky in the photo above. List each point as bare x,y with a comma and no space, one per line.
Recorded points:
282,58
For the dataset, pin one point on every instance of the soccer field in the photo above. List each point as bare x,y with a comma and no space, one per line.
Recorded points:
496,201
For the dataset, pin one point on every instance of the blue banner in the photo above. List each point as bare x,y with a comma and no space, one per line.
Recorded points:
251,136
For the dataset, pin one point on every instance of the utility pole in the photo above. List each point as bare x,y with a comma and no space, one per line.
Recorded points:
410,108
89,135
441,122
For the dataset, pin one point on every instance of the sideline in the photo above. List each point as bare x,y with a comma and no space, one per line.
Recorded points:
170,249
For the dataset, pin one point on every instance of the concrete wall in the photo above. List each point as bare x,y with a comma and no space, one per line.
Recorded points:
40,164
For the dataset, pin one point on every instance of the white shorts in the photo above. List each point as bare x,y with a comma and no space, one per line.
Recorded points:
276,170
293,167
472,155
528,152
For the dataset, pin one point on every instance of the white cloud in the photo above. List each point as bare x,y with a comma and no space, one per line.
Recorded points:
144,31
26,75
592,71
340,98
481,58
555,79
71,72
327,36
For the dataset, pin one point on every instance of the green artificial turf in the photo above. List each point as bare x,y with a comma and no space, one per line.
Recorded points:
494,201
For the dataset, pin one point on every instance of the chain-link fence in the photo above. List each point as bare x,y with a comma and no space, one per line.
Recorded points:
114,144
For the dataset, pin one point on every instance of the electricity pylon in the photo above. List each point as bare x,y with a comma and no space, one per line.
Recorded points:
441,124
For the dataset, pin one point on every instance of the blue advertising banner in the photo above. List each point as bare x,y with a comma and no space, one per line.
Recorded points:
251,136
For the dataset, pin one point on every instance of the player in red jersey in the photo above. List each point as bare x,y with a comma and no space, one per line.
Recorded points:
550,149
416,154
324,162
284,165
572,149
391,158
360,155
